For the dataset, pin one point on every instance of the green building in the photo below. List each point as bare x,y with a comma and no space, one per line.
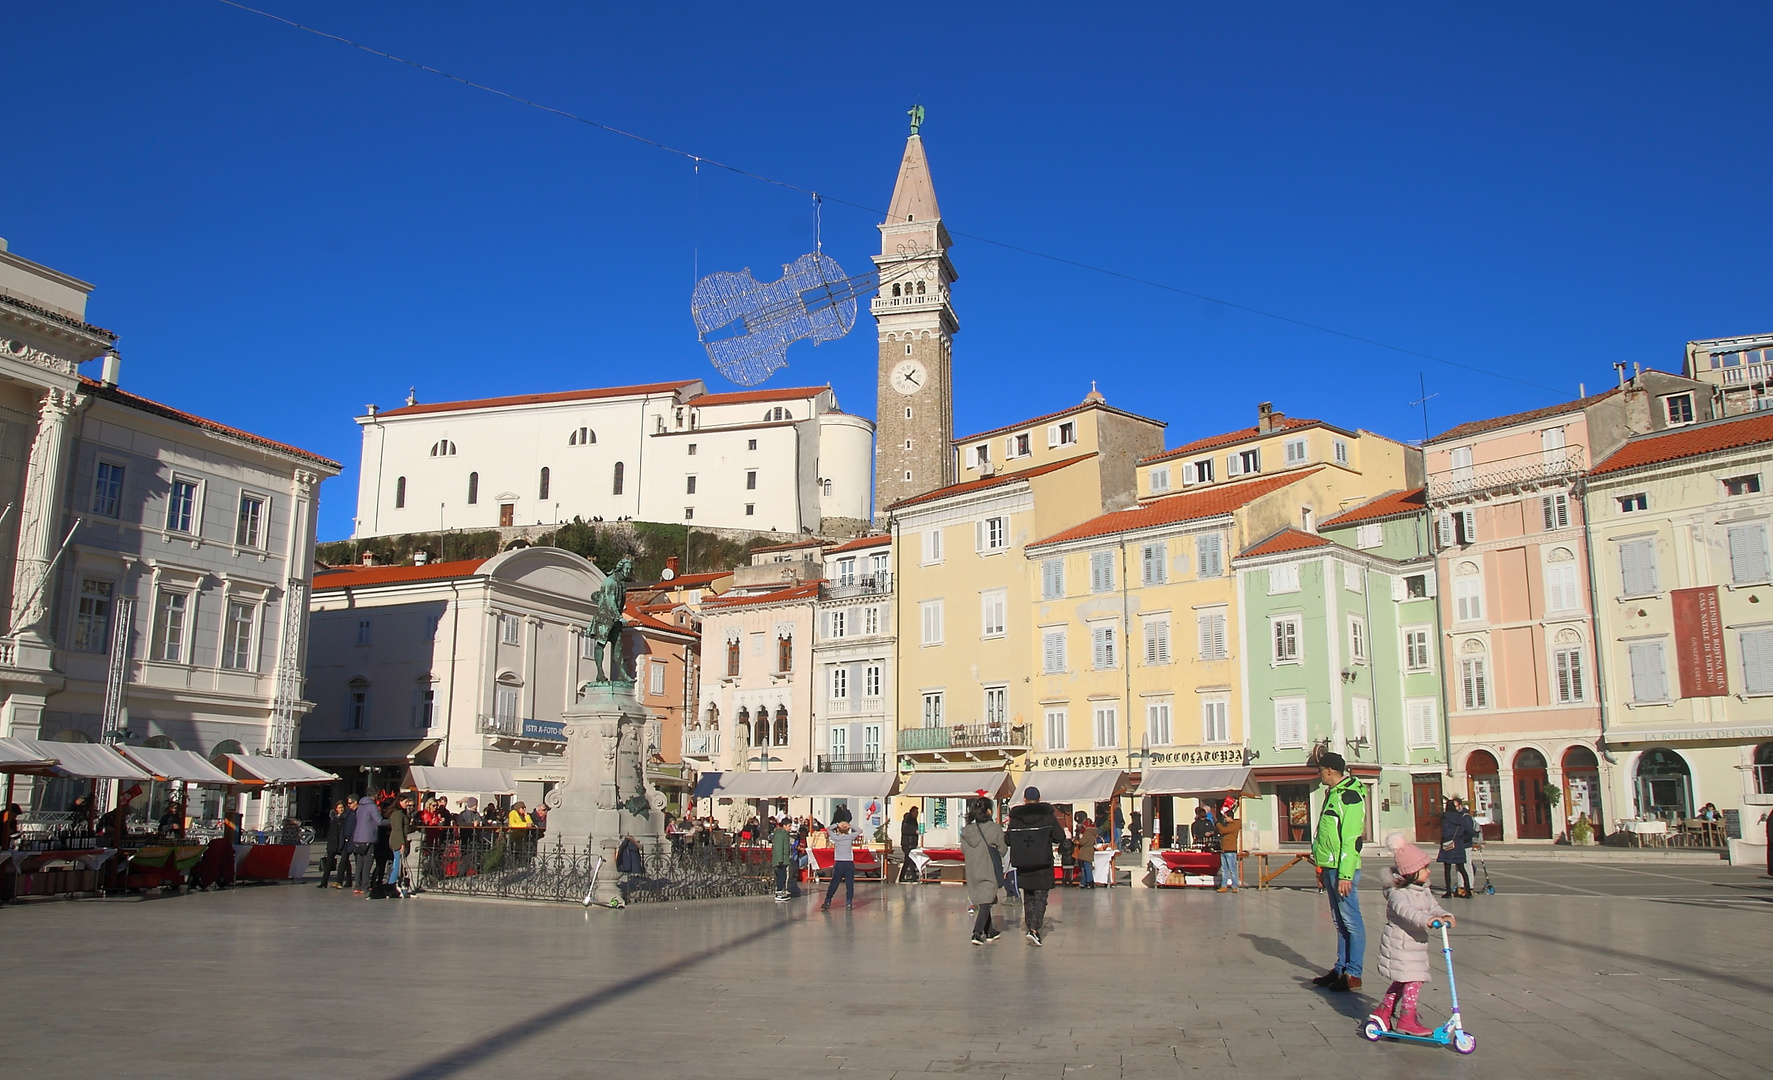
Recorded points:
1340,653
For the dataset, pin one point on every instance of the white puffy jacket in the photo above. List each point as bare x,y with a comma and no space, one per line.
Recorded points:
1403,948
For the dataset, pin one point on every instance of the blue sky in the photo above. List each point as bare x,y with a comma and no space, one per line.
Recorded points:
283,228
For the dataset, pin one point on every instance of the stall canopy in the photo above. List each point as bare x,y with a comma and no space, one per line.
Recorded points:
993,784
757,785
16,757
275,770
461,781
186,765
1081,786
846,785
1200,782
85,761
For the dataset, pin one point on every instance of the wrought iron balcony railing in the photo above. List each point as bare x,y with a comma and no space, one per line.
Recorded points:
1522,470
852,763
860,585
963,737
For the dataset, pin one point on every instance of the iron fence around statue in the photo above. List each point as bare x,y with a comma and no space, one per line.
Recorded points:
516,864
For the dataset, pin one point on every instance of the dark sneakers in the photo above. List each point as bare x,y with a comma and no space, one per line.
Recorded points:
1346,984
1328,978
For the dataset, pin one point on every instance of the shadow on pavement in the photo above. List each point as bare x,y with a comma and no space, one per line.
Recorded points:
1597,949
467,1057
1280,950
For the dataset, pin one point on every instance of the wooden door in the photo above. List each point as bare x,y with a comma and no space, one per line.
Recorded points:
1532,813
1427,797
1295,812
507,514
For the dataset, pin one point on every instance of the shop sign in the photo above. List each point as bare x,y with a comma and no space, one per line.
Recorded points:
1699,642
553,730
1196,755
1111,760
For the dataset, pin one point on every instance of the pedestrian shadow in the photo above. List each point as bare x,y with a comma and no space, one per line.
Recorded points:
468,1057
1278,949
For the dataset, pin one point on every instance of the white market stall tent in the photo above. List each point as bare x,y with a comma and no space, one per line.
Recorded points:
1200,782
84,761
460,781
846,785
757,785
958,784
178,765
258,769
1073,786
16,757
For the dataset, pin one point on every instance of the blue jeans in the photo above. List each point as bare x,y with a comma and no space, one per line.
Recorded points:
1345,912
1086,872
781,877
844,871
1228,870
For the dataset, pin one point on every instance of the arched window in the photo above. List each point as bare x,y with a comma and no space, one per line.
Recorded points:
777,413
223,749
1665,786
920,288
1582,787
159,742
542,487
400,493
1764,769
744,726
781,725
761,733
443,448
582,437
713,718
895,288
732,657
473,488
616,489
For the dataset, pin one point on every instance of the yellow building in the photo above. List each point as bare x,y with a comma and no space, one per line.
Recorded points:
1678,535
962,591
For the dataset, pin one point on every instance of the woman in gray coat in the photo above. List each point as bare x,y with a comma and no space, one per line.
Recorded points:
981,841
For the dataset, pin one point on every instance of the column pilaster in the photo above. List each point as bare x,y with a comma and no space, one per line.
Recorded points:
38,517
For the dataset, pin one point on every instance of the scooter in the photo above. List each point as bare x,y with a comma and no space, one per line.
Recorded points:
1452,1033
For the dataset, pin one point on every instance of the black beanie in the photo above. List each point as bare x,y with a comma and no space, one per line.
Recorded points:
1333,760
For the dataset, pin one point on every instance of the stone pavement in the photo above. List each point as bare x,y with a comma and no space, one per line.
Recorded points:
1607,973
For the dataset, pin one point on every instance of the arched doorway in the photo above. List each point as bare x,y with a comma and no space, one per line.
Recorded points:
1582,788
1665,785
1531,808
1484,779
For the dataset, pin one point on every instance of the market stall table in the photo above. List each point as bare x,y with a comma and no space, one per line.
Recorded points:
868,862
1177,869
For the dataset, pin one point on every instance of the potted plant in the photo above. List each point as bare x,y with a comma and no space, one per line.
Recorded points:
1582,830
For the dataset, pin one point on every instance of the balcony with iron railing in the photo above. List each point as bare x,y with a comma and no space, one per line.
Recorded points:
964,737
852,762
859,585
1521,471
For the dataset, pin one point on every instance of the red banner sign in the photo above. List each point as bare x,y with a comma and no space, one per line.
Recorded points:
1699,642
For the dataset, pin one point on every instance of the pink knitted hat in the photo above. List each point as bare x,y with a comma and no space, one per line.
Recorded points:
1408,857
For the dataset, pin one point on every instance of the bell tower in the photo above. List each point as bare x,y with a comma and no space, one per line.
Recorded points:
914,402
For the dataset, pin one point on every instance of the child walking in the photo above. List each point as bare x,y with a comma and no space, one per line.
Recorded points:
1403,949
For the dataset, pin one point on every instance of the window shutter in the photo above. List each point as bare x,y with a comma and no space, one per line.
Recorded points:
1748,553
1009,447
1468,519
1637,564
1649,682
1232,467
1444,530
1188,476
1398,592
1051,652
1429,583
1052,434
1757,661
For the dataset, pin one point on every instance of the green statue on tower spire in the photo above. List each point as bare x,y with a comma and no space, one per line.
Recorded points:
916,114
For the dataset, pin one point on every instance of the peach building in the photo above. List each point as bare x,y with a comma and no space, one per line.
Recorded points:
1517,620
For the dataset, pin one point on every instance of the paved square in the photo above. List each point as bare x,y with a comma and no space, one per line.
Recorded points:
1562,974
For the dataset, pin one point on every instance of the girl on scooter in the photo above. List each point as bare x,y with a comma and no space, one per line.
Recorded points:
1403,949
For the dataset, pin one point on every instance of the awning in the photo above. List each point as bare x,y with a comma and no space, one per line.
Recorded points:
16,757
956,784
1073,786
85,761
706,785
368,751
1200,782
169,764
461,781
846,785
1307,774
757,785
275,770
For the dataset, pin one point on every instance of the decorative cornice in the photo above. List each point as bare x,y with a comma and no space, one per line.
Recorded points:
31,354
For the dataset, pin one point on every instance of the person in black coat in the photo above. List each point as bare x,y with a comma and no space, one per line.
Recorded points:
1032,834
1458,833
908,841
338,839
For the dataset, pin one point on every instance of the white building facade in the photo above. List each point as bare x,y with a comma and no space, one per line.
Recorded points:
853,666
781,460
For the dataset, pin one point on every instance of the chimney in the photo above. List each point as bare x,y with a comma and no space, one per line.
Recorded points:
421,557
369,558
1637,372
671,565
113,365
1619,366
371,409
1265,417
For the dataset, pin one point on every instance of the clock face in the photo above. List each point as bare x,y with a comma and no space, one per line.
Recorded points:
909,377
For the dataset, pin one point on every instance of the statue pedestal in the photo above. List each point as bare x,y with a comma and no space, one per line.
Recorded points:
605,797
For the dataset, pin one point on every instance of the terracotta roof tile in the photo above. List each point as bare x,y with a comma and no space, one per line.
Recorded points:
859,543
1288,539
538,399
1049,417
154,408
1478,427
971,486
1210,442
743,397
357,577
793,592
1390,504
641,616
1188,506
1685,442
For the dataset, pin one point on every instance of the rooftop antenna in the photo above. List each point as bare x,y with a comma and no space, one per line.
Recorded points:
1422,388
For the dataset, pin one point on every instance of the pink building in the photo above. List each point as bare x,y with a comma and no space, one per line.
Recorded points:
1517,619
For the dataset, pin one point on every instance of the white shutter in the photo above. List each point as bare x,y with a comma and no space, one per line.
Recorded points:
1398,592
1009,447
1470,523
1157,641
1637,567
1649,679
1053,651
1443,526
1429,582
1421,722
1748,554
1757,661
1289,724
1232,465
1052,434
1188,476
978,536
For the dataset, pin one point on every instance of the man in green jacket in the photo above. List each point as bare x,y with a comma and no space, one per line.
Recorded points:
1336,849
781,849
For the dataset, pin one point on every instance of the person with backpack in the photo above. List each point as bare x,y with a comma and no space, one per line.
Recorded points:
1033,833
1336,851
981,841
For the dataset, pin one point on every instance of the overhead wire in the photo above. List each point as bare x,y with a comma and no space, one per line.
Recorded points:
819,197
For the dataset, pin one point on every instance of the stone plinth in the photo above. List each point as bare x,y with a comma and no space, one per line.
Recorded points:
606,797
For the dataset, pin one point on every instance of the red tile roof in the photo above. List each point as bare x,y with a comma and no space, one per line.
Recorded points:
1390,504
1478,427
793,592
1288,539
643,618
539,399
859,543
1049,417
1188,506
971,486
1686,442
744,397
1287,423
357,577
167,412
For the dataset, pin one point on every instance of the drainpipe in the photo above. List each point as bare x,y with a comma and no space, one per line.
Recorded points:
1372,667
1594,618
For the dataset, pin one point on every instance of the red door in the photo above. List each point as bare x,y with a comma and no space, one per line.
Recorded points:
1532,811
1427,795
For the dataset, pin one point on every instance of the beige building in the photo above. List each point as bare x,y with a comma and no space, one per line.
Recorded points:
1683,585
1739,370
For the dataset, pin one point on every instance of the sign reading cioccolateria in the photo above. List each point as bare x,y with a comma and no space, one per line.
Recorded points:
1197,755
